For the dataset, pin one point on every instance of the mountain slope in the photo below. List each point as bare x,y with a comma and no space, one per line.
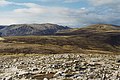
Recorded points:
99,36
31,29
97,28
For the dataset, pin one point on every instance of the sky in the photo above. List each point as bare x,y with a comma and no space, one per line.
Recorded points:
73,13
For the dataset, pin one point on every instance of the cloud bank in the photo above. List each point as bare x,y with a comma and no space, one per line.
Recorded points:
99,11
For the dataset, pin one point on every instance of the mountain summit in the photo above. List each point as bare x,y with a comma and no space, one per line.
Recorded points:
103,27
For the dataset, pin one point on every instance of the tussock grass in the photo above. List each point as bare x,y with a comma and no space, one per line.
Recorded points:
57,45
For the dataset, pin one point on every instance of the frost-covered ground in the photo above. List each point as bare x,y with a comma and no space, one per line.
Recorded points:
60,67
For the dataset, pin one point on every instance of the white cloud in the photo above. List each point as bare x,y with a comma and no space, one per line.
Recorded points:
102,12
32,9
104,2
34,13
47,0
47,14
4,3
65,1
29,4
71,1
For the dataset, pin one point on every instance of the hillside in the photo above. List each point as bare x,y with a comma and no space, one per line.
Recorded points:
95,37
31,29
103,36
97,28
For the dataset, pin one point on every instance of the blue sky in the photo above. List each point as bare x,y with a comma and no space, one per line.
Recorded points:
74,13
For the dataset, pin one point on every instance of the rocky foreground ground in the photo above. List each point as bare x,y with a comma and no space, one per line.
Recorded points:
60,67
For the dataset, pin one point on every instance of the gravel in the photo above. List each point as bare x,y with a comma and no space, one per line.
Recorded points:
60,67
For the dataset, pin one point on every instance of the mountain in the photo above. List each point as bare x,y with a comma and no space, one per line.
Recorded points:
103,27
97,28
31,29
1,26
98,36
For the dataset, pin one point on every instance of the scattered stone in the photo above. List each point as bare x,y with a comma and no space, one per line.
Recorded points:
118,61
45,79
60,67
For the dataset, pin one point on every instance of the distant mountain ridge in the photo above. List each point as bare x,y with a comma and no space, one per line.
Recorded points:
30,29
96,28
54,29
